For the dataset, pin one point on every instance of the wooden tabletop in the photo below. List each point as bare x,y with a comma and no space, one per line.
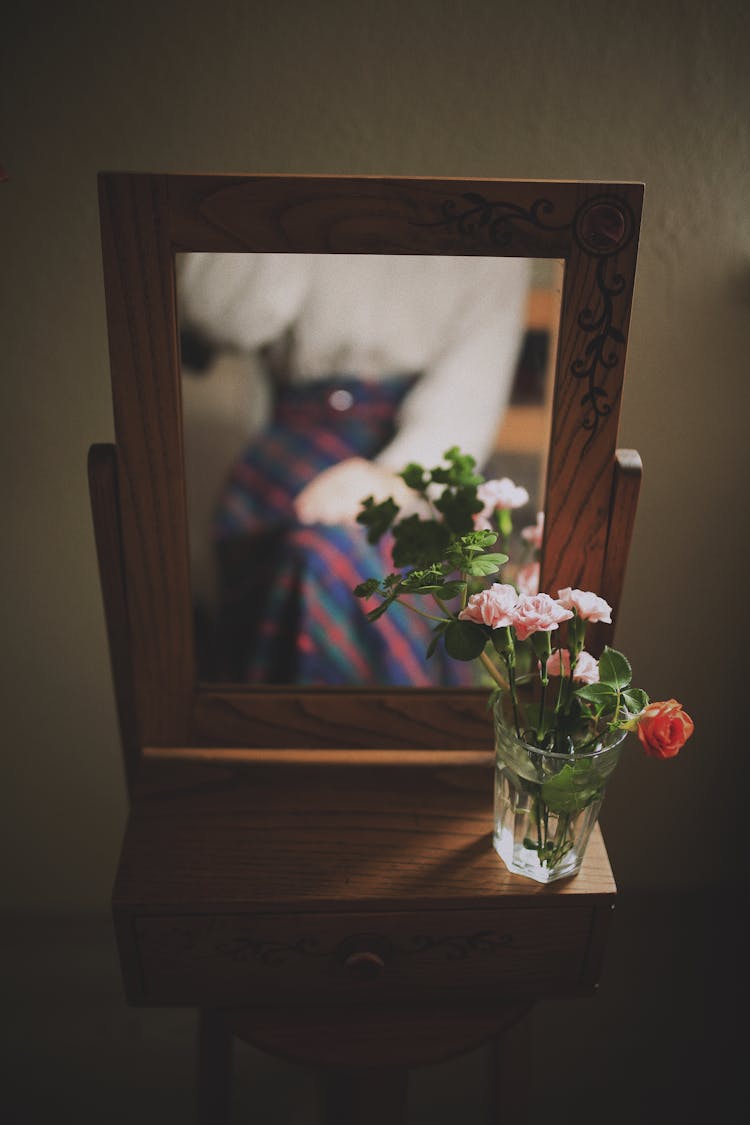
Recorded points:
281,838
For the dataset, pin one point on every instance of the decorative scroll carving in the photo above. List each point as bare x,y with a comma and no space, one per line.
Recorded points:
270,953
273,953
496,220
458,948
600,354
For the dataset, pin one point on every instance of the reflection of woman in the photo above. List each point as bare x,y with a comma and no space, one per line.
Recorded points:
374,361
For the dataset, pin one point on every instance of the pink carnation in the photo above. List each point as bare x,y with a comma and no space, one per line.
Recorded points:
586,670
553,662
535,532
493,606
498,494
538,613
502,493
588,606
527,579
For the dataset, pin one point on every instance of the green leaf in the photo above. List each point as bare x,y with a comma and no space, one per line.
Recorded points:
502,641
438,631
635,700
379,610
451,590
377,518
414,476
485,564
464,640
426,579
458,508
374,614
460,552
419,543
461,470
572,789
603,697
366,589
478,540
614,669
600,693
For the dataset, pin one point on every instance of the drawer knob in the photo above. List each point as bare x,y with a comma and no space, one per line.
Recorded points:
364,965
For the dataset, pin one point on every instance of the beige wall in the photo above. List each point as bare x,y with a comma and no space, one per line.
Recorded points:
651,91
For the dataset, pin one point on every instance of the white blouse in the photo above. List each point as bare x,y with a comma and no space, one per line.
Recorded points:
459,321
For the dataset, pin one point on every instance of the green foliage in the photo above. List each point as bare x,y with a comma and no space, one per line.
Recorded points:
635,700
502,641
419,542
468,554
426,580
458,506
601,695
452,590
414,476
572,789
437,634
438,551
367,589
377,518
483,565
460,471
465,640
613,692
374,614
614,669
442,558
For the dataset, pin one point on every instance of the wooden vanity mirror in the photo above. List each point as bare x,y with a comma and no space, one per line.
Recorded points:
591,229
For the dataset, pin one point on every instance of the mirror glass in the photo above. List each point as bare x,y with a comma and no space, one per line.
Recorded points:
308,381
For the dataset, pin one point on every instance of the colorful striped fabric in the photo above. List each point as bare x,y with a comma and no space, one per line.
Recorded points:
287,610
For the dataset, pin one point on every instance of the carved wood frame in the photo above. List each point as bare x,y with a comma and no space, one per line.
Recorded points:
146,219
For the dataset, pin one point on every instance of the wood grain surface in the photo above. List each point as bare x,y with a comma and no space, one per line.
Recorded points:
278,839
263,885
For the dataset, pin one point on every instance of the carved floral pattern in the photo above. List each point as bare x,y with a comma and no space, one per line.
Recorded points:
273,953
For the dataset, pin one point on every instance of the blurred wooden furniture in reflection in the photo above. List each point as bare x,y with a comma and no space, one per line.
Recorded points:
525,424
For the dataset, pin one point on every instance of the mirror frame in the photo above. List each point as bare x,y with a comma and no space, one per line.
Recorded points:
145,220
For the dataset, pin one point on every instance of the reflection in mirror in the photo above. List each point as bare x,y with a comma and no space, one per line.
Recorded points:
308,382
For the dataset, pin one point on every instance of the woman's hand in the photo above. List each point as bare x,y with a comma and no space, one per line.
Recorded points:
336,495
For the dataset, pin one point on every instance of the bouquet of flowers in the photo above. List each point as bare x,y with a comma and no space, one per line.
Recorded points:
560,713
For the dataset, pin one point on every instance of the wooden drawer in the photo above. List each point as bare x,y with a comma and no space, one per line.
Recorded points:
343,958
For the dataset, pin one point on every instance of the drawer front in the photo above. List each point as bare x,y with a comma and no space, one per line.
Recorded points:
346,958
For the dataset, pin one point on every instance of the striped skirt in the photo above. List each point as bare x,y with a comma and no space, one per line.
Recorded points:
287,612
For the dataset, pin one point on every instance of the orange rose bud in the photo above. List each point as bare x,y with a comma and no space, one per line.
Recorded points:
664,728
